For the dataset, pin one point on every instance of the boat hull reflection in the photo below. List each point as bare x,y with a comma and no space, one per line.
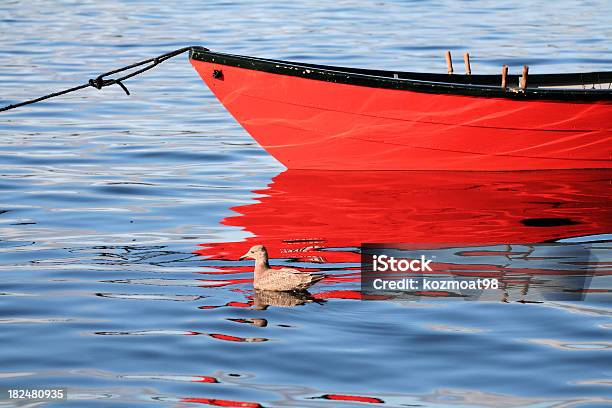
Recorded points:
303,212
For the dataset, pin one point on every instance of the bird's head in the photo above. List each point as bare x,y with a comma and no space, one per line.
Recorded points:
256,252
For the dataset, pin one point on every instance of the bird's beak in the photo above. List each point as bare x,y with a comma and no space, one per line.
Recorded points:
245,256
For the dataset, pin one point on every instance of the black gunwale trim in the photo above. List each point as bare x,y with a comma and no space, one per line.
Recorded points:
472,85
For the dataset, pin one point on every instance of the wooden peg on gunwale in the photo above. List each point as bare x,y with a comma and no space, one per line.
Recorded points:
466,59
504,76
449,62
524,77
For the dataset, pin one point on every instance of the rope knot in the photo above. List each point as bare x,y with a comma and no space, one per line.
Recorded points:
96,83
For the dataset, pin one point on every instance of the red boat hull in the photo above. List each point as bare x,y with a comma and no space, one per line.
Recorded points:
316,124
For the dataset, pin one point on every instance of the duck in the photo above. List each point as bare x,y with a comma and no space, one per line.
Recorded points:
279,280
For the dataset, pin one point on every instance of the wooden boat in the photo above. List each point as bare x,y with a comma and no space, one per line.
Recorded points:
333,118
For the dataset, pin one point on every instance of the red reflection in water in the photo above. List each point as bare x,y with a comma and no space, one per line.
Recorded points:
227,337
224,337
356,398
205,379
228,304
222,403
303,211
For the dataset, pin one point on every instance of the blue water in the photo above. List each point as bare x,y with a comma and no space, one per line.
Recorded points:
105,201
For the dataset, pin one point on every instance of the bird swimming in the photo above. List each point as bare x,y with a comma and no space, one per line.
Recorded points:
283,279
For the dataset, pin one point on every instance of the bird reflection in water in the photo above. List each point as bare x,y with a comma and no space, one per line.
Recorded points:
262,299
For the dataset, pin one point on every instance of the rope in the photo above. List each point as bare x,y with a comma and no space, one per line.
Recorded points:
100,81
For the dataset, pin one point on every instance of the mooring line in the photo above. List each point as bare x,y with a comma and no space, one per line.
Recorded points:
100,82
